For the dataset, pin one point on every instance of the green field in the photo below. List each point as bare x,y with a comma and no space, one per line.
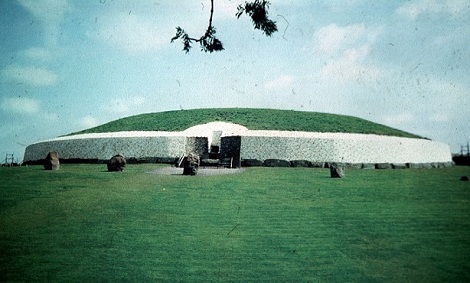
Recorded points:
264,224
253,119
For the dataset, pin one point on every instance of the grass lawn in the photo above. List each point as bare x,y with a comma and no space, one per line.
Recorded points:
265,224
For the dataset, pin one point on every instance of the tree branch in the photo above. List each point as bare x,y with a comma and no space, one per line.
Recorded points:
212,13
208,42
257,10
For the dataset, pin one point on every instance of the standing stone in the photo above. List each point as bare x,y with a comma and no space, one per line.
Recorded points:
336,171
116,163
51,162
191,164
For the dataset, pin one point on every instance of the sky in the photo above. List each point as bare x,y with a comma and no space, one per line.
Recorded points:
70,65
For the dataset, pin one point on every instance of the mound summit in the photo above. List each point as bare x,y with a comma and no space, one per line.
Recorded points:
253,119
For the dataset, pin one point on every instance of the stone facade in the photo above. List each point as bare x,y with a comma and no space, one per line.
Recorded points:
104,148
248,147
196,145
350,148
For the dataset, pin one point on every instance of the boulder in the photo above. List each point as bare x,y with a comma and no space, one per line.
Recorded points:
276,163
367,166
300,163
317,164
353,165
464,178
336,171
399,166
427,166
51,162
252,163
419,165
116,163
383,166
446,164
132,160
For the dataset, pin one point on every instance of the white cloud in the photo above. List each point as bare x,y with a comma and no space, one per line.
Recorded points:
30,75
346,50
125,105
340,5
448,97
38,54
413,9
447,89
20,105
132,33
439,117
350,67
88,122
51,13
333,38
281,82
29,108
398,119
226,9
49,116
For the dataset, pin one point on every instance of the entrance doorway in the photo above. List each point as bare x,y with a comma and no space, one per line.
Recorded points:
214,145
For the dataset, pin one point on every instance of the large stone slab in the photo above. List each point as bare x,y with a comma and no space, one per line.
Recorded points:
300,163
367,166
399,166
383,166
318,164
252,163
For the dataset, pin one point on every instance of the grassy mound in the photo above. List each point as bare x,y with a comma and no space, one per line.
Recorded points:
253,119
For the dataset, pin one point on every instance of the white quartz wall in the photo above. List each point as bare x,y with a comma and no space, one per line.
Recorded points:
287,148
372,149
105,148
260,145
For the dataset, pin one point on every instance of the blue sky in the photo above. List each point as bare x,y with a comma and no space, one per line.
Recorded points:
69,65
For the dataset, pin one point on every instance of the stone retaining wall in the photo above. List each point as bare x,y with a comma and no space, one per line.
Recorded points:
355,149
105,148
259,146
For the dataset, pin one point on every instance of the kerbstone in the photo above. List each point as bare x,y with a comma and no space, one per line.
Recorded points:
300,163
276,163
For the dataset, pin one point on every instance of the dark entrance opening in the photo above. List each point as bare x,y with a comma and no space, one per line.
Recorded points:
214,152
